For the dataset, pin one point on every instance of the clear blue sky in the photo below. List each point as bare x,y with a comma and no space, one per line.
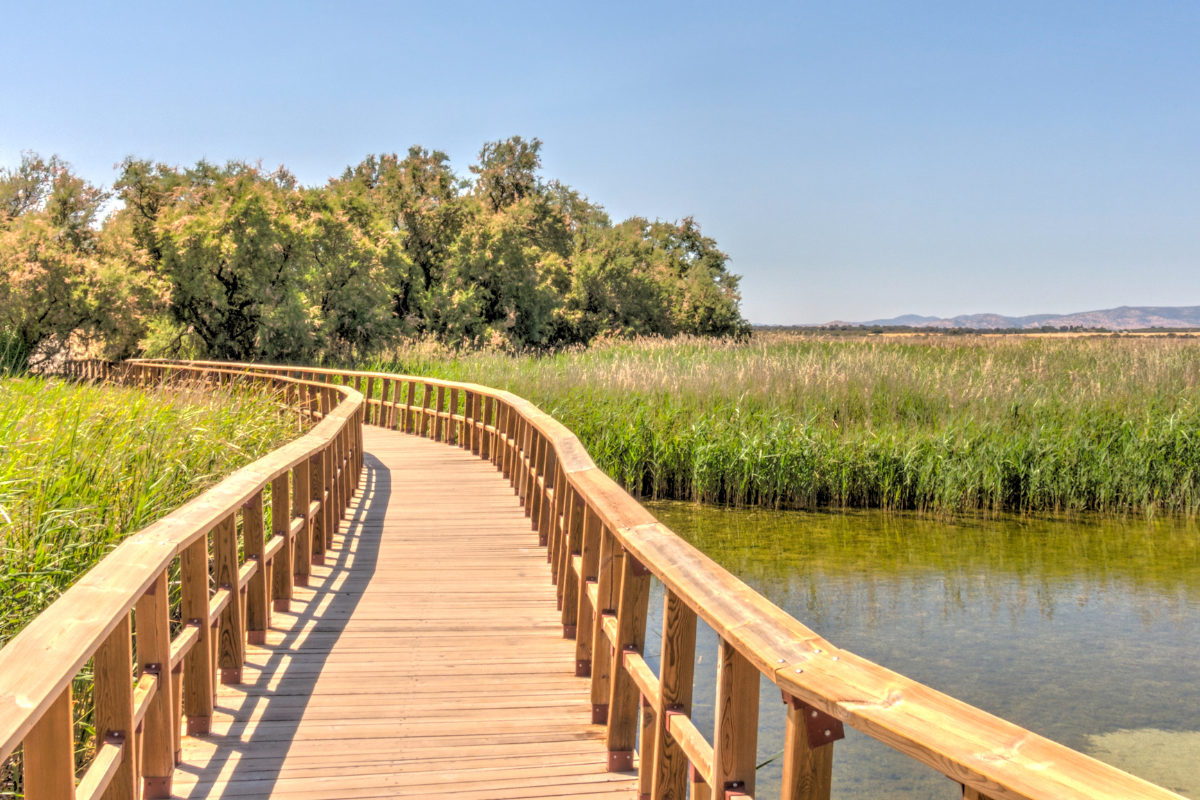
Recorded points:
855,159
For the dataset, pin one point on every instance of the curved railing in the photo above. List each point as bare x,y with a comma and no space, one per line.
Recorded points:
140,706
603,547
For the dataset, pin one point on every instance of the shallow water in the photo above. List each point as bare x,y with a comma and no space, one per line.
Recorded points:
1085,630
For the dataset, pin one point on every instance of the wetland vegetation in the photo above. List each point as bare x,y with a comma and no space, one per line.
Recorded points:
929,423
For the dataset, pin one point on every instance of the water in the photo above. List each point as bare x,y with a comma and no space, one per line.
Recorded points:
1084,630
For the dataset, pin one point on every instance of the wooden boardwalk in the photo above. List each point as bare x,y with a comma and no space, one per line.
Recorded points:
425,659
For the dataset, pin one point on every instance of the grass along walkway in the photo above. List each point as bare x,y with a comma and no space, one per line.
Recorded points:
81,467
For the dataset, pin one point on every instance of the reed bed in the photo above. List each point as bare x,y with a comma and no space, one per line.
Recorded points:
81,467
932,423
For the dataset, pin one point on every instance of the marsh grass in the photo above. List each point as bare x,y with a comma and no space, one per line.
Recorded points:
931,423
81,467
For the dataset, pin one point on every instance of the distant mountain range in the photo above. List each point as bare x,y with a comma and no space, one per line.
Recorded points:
1114,319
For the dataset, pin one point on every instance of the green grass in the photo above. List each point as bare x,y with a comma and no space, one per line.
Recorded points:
81,467
931,423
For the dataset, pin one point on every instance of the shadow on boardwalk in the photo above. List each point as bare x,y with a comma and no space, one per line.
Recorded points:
251,748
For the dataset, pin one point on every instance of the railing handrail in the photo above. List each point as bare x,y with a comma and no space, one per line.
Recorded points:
991,757
38,664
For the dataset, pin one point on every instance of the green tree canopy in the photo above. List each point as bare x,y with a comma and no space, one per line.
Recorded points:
237,262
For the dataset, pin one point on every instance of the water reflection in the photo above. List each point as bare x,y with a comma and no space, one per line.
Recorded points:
1085,630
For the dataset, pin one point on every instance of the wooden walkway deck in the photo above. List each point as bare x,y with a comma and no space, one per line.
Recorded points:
426,658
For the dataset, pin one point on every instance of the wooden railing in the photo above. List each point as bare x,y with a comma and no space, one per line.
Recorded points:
603,547
141,706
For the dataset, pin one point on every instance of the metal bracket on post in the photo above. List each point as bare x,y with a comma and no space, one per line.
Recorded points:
735,789
822,728
620,760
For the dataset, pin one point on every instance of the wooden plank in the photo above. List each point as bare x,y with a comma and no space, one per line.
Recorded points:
366,690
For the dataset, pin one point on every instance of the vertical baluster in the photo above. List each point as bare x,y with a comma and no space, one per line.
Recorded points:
258,617
113,691
675,673
281,518
154,657
533,473
735,739
230,641
568,597
807,769
584,616
301,500
426,403
608,585
438,422
372,417
318,470
485,446
623,692
646,743
561,516
468,431
386,406
197,664
547,519
49,753
453,436
477,424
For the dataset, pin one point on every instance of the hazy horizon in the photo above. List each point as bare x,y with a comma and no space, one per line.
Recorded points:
858,161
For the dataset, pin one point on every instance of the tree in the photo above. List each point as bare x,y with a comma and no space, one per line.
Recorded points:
64,282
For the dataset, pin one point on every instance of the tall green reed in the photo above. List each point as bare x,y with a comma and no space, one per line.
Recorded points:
81,467
933,423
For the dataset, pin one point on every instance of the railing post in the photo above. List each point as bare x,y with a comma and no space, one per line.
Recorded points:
197,664
231,643
453,437
49,753
646,744
468,430
486,448
547,519
568,583
735,738
623,693
386,415
675,675
281,519
258,615
426,399
607,588
438,426
154,657
319,470
113,689
807,770
372,418
301,502
589,569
